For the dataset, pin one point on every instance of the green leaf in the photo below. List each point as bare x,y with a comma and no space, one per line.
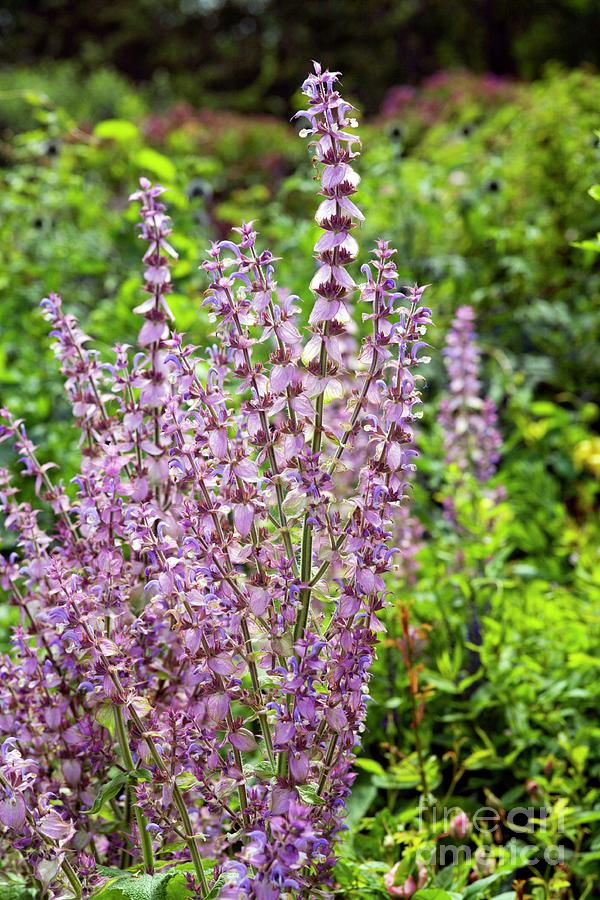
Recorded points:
216,888
140,775
478,759
109,871
434,894
155,163
594,192
369,765
16,890
362,796
105,716
119,130
137,887
308,794
441,683
407,774
108,791
171,847
186,780
178,890
479,888
34,98
263,769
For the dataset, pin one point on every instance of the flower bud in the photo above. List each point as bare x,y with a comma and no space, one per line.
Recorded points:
460,826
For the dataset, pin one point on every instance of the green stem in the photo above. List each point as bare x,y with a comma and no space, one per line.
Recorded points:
126,857
307,528
145,839
72,878
177,797
252,668
327,763
305,577
189,837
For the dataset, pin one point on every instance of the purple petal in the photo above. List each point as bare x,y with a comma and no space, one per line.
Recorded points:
12,812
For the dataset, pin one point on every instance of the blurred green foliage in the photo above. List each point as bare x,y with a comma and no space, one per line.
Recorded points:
507,607
483,189
252,54
101,94
487,203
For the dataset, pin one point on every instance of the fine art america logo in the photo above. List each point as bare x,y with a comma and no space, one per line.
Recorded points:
487,823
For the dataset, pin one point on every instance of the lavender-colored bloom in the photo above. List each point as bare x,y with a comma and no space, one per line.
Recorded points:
12,811
167,621
471,437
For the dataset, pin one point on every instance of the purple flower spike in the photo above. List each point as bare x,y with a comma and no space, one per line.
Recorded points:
472,439
198,623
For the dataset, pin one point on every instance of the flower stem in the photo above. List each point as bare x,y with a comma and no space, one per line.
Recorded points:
72,878
307,528
178,799
145,839
327,763
262,716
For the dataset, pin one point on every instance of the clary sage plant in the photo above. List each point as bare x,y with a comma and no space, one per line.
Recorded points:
188,685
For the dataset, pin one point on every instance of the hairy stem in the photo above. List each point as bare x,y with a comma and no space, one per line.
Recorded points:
145,839
307,528
190,838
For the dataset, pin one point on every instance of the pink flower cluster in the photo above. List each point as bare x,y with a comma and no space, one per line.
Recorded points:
471,437
190,676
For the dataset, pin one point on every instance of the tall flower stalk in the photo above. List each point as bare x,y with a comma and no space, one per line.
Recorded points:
331,129
190,675
472,440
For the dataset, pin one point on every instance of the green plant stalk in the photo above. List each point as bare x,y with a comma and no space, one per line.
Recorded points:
145,839
126,858
72,878
262,716
418,744
327,763
189,838
307,528
306,551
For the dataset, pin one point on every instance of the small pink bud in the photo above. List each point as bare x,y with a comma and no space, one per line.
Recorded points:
408,887
460,827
